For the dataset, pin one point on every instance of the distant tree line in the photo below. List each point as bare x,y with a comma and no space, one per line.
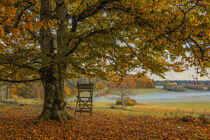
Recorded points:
182,82
35,90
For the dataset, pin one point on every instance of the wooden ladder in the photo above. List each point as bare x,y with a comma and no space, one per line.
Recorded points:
84,104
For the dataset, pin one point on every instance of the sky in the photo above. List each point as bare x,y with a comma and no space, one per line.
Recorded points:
186,75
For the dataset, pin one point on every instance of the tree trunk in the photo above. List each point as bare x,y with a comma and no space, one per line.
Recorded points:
1,91
54,104
123,101
53,74
7,92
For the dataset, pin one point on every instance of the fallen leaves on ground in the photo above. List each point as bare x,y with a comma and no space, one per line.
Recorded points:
18,123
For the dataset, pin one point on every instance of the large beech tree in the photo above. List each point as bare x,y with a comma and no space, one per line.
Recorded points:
50,40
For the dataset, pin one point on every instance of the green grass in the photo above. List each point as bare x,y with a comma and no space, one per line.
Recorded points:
33,101
157,109
146,91
199,106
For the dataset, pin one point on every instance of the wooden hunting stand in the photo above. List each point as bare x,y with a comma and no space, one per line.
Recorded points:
84,104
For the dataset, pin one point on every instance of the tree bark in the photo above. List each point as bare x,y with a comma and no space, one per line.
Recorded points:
54,104
1,91
52,74
7,92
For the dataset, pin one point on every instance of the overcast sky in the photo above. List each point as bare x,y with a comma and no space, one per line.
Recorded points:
186,75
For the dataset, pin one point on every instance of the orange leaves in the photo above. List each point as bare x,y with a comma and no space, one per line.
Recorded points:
100,85
150,27
1,31
132,81
13,91
30,25
179,70
67,90
144,82
21,85
18,123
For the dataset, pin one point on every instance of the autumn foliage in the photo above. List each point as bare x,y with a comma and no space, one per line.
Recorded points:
131,82
18,123
67,90
100,85
51,40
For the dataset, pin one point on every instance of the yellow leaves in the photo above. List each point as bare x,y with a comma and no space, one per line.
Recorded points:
192,18
8,20
100,85
67,90
13,91
21,85
141,74
149,24
131,82
176,2
14,96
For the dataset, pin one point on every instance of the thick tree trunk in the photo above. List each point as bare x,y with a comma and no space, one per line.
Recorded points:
54,104
52,74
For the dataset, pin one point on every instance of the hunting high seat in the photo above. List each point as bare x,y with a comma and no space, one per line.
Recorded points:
84,103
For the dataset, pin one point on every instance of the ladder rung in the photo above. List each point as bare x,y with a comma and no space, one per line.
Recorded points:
83,111
81,103
83,97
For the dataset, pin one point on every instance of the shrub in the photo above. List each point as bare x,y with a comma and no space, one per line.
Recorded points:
172,87
204,119
193,86
128,102
187,119
104,92
14,96
112,106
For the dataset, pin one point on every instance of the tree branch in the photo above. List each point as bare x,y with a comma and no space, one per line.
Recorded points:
36,37
131,50
19,81
200,48
19,16
92,10
83,36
